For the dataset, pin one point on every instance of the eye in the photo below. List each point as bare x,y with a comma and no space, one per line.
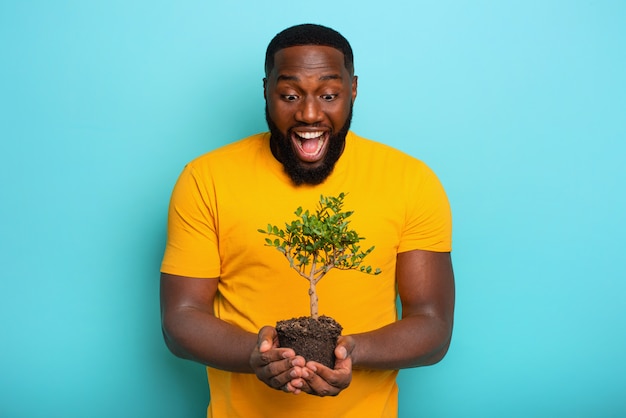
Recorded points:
328,97
290,97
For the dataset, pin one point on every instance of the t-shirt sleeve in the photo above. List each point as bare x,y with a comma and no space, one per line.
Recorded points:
192,246
428,225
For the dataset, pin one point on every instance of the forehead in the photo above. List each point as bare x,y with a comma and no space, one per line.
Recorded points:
308,58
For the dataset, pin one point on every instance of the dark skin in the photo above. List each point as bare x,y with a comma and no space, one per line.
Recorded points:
310,91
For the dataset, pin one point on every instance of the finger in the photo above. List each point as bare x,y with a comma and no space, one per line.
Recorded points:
281,359
297,386
318,386
343,361
282,379
266,339
328,382
341,353
301,385
344,348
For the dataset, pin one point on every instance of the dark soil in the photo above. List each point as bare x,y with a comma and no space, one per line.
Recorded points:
312,339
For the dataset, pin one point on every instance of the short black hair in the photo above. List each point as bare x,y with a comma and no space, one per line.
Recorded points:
309,34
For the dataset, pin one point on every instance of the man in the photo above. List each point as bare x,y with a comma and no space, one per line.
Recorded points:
222,288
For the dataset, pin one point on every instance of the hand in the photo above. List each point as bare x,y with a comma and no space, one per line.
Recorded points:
321,381
279,368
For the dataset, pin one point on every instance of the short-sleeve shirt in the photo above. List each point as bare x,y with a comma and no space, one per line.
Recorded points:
220,201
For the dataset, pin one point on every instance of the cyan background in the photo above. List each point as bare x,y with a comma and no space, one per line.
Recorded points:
519,106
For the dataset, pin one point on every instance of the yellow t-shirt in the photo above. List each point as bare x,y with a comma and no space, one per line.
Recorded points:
220,201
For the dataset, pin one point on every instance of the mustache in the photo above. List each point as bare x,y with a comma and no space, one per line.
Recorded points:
283,152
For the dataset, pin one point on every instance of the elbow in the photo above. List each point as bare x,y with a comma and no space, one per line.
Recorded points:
441,348
439,344
170,344
442,333
439,353
172,337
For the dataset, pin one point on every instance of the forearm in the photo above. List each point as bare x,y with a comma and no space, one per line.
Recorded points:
413,341
199,336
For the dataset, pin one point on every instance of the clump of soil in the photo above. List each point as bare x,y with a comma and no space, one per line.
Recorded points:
313,339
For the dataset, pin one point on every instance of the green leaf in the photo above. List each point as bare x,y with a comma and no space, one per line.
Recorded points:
321,235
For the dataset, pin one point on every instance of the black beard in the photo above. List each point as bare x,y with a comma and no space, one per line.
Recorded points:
299,174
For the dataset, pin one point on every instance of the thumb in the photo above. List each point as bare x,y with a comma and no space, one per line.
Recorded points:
265,346
344,348
265,338
341,353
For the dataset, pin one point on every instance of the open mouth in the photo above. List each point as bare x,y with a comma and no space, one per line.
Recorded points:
310,146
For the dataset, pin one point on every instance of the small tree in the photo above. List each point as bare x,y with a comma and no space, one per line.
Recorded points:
317,242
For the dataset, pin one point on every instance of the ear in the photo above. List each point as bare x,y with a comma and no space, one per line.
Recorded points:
265,88
355,82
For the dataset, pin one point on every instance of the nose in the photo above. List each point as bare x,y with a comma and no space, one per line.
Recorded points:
309,111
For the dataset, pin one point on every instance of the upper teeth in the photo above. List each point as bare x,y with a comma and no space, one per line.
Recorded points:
309,135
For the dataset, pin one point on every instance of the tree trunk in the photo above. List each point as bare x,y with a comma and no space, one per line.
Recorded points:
313,299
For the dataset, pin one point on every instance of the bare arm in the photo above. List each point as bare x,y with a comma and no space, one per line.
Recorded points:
422,337
426,287
192,331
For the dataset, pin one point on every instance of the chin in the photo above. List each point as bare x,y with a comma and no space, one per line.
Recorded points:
303,172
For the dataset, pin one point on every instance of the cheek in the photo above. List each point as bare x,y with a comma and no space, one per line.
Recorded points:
339,116
279,113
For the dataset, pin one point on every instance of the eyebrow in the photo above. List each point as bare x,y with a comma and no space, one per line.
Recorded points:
285,77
